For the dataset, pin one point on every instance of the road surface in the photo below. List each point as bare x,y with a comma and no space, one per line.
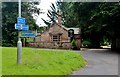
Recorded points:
99,62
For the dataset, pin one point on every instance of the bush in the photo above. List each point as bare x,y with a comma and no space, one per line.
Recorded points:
30,40
105,41
73,44
86,43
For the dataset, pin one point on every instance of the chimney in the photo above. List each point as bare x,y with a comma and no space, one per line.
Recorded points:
59,18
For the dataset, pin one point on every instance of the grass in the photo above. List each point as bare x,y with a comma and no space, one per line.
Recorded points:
0,61
40,62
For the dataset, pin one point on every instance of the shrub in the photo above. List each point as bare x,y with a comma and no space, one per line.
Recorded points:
86,43
105,41
73,44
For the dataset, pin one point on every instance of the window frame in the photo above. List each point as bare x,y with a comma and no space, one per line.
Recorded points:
56,38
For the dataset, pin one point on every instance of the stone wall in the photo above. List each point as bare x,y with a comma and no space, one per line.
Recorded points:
51,45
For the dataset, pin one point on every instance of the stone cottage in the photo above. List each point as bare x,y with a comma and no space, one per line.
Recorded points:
57,36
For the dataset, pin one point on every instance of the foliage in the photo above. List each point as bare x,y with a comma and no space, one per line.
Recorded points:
41,62
30,40
8,20
96,19
86,43
52,14
73,44
105,41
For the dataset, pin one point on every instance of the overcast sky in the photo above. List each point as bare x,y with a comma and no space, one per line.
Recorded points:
45,5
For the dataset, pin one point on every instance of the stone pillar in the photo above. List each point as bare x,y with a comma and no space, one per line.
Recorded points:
78,40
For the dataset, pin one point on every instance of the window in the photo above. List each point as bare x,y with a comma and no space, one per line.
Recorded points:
56,38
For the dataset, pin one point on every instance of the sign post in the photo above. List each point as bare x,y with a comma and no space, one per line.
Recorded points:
19,43
23,31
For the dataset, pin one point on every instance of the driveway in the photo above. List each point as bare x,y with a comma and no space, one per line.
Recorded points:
99,62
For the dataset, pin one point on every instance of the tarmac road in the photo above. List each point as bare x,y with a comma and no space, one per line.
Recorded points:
99,62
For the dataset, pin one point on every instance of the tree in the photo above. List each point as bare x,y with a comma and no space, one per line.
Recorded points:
9,18
52,14
94,19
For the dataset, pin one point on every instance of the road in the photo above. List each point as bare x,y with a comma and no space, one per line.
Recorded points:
99,62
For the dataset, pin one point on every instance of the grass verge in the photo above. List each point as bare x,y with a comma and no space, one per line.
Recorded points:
0,61
40,62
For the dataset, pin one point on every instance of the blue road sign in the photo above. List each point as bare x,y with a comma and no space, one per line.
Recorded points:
21,20
28,33
21,27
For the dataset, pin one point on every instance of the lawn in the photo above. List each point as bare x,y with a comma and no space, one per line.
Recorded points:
40,62
0,61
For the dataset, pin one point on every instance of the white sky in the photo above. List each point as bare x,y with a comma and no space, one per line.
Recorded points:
45,5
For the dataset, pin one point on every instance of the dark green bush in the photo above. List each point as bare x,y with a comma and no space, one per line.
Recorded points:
87,43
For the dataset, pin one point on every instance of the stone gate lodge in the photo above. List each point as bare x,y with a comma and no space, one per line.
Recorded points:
56,36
